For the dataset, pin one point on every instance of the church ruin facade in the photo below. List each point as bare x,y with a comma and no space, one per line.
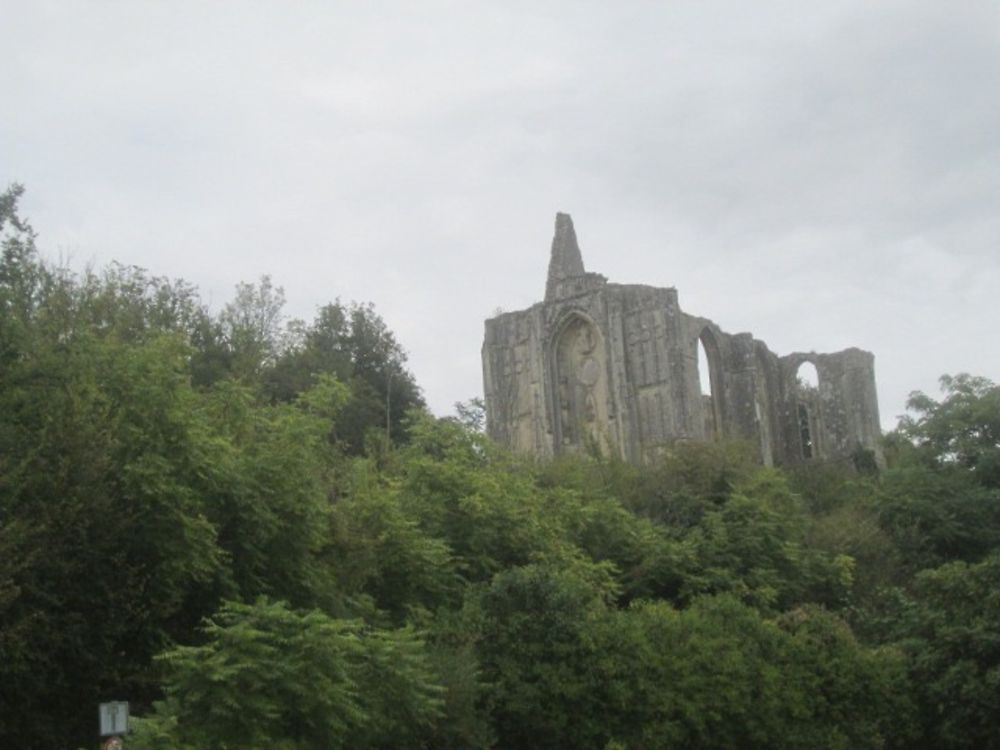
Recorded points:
614,368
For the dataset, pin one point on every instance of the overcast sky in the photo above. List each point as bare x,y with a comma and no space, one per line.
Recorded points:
821,174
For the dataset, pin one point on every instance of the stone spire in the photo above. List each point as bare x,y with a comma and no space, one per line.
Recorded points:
566,260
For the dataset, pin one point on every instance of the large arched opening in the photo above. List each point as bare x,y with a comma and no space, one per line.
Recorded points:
710,382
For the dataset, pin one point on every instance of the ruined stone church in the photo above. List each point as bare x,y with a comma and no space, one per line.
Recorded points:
614,368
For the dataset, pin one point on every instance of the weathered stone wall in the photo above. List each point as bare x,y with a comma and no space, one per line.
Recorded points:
614,368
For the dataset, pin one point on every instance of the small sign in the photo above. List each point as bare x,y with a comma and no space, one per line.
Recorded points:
114,718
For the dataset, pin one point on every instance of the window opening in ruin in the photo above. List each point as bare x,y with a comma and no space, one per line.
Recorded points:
709,383
704,377
807,397
806,377
805,433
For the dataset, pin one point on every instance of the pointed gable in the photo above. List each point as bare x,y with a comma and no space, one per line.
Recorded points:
566,261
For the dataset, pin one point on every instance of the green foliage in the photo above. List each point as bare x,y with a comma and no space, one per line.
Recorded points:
717,675
271,677
252,326
537,651
353,344
23,279
130,502
471,414
688,481
754,547
936,515
951,632
569,671
453,652
962,430
100,444
265,489
484,506
378,551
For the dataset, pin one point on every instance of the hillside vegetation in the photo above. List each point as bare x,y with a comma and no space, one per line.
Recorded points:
255,533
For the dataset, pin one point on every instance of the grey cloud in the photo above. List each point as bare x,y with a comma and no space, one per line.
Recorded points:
821,175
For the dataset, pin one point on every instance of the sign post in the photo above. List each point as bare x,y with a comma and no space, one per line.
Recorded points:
113,719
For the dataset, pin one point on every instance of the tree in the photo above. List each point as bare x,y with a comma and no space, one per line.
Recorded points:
265,485
23,278
377,550
130,503
538,654
472,414
252,327
962,430
936,515
951,632
753,546
686,482
107,550
482,502
268,676
353,343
